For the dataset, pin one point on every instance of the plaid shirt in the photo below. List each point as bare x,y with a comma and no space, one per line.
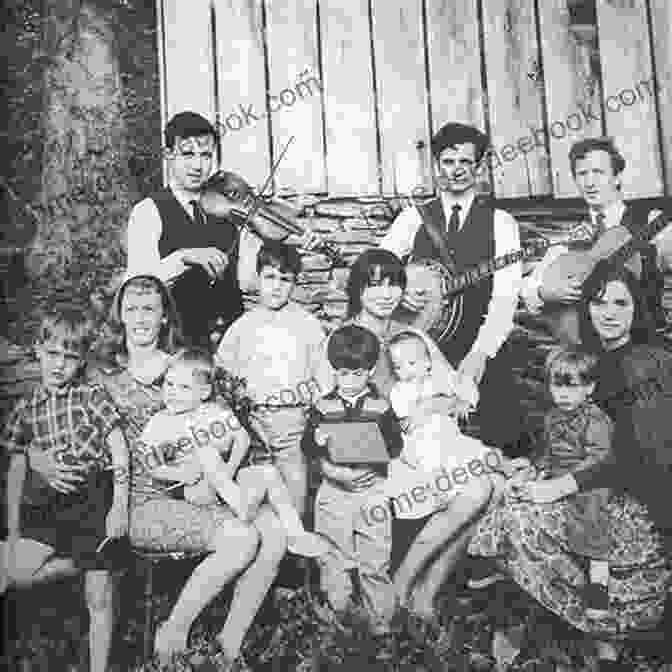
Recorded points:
74,421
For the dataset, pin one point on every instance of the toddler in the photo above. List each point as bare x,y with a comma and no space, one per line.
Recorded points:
78,422
431,442
199,444
577,434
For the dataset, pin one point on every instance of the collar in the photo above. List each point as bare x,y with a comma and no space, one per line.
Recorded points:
184,199
612,215
369,392
465,203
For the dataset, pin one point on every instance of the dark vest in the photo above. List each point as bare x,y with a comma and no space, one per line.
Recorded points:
474,242
199,303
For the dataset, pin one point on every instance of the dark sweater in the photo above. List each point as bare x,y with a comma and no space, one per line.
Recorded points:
635,389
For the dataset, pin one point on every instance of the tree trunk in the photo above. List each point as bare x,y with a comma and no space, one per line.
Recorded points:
85,177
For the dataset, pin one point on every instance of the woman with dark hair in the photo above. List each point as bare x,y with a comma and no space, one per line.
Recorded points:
424,550
529,537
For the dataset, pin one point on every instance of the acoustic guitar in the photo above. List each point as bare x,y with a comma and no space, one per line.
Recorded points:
442,313
614,247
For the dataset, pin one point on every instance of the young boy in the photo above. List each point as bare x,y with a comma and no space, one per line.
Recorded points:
351,505
276,348
200,444
53,531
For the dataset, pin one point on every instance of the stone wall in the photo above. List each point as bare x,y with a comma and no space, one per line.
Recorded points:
355,225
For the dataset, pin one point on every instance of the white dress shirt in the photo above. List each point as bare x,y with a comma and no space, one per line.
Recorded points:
143,234
612,217
498,321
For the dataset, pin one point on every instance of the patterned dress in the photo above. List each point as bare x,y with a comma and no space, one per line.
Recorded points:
530,541
158,520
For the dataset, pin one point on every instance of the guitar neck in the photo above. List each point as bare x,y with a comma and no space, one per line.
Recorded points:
651,230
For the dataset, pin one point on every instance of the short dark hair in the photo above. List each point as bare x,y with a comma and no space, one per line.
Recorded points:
199,359
454,133
278,255
70,325
187,125
579,150
353,347
371,268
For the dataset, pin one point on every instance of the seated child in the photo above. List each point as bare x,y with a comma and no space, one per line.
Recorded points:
55,529
577,434
276,348
192,443
433,442
351,506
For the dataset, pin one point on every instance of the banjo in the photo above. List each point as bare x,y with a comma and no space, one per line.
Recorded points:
442,313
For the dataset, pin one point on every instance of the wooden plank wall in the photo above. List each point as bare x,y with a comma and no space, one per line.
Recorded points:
362,84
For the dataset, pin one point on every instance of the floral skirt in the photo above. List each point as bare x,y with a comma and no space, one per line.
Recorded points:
531,546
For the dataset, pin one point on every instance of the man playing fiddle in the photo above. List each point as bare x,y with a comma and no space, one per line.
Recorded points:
170,235
596,166
468,229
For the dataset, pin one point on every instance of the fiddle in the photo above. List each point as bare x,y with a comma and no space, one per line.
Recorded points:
227,194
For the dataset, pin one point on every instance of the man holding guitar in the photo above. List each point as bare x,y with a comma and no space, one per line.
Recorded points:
557,280
461,230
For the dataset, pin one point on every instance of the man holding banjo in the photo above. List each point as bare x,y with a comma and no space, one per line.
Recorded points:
460,230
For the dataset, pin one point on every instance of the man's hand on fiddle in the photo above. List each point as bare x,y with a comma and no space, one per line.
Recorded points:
212,260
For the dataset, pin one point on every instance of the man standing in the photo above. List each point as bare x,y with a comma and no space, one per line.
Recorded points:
168,233
597,166
196,255
464,229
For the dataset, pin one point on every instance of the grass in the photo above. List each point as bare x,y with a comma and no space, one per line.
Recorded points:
295,631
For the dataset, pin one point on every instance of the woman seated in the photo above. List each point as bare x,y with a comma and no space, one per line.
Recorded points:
144,317
375,287
530,535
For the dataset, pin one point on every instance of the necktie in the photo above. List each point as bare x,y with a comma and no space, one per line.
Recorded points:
197,212
454,221
600,226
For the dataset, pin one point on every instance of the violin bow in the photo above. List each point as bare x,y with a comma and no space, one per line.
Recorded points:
257,199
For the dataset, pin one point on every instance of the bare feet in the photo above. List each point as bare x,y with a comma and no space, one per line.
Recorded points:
169,641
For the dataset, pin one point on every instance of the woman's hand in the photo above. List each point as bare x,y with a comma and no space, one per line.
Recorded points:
415,299
65,478
546,492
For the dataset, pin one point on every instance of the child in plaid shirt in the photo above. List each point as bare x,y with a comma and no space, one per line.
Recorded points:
51,531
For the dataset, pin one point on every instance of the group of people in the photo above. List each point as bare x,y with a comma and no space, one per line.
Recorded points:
140,444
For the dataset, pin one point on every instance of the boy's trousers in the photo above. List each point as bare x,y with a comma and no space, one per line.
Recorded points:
359,524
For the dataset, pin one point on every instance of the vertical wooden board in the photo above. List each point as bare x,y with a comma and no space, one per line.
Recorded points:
352,162
454,63
242,88
295,93
188,58
573,91
629,102
514,98
661,23
402,96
